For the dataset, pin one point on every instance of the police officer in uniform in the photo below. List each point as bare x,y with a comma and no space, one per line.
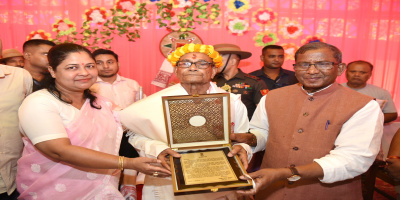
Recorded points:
232,79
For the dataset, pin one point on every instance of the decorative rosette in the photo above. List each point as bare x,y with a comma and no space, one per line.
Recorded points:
238,26
181,3
239,6
310,38
64,27
125,5
291,29
290,50
265,38
96,15
264,16
39,34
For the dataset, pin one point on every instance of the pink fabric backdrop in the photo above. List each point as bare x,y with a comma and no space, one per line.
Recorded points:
362,29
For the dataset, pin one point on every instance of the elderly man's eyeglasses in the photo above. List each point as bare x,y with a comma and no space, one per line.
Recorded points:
318,65
198,64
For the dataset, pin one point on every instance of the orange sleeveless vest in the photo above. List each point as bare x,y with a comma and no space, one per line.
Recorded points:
303,128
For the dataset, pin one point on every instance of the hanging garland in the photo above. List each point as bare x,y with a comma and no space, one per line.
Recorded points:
181,3
127,19
124,19
186,18
66,31
94,29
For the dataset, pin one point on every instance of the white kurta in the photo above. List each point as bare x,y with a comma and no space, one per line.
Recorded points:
146,119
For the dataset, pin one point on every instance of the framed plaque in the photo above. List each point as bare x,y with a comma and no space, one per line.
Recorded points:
198,128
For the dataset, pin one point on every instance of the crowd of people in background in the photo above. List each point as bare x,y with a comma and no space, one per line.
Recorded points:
70,124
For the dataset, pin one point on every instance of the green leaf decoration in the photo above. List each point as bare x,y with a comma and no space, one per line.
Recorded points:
128,23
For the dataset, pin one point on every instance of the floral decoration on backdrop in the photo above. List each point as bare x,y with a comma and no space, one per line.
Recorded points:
290,50
291,29
39,34
312,38
239,6
65,29
126,18
265,38
238,26
186,18
264,16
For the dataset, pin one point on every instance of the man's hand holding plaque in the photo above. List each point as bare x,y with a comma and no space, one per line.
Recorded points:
241,152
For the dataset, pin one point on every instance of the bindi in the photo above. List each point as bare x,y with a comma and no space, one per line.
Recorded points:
194,56
83,64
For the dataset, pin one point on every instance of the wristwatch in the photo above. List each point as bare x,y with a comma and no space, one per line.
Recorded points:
295,175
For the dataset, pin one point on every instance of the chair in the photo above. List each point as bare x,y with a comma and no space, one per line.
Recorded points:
369,177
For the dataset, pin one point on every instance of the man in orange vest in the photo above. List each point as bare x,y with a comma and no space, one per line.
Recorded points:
318,136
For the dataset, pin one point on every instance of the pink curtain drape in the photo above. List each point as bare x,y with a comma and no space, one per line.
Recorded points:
362,29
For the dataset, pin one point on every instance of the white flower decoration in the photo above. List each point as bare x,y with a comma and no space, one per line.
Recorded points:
33,194
23,186
127,5
91,175
238,26
265,16
183,3
60,187
35,168
37,36
97,16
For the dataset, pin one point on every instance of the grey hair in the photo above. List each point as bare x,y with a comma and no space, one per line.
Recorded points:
337,54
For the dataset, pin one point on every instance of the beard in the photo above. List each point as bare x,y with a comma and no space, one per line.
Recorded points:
106,75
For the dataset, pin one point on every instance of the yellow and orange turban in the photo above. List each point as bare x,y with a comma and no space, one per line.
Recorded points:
173,58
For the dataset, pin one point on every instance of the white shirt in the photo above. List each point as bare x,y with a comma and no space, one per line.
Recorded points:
123,91
146,119
15,85
55,115
355,147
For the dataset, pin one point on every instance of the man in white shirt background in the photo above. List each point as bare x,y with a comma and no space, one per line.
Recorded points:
122,92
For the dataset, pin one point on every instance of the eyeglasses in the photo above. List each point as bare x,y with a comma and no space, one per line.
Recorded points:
318,65
198,64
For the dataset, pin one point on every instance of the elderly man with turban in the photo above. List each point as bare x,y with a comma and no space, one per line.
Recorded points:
194,65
